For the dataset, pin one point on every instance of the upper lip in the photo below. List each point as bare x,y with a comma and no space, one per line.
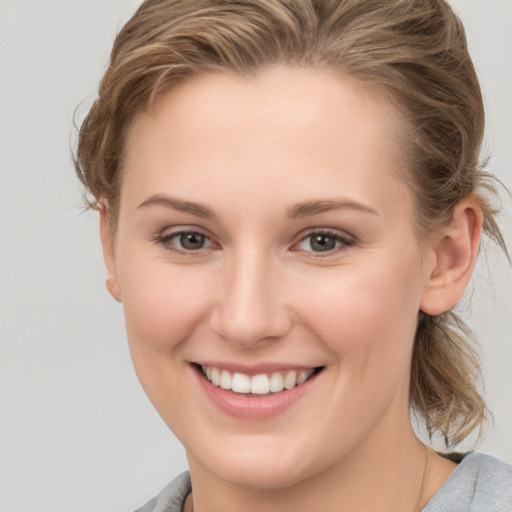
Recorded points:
255,369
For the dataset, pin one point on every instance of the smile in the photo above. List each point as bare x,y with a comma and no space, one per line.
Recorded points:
261,384
258,393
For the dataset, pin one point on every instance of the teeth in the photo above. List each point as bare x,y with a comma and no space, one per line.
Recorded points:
276,383
302,377
215,378
261,384
241,383
290,380
225,379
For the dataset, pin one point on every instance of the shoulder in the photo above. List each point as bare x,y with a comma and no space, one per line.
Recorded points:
493,482
480,483
171,498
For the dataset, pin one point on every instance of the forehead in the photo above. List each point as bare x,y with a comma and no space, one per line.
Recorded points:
304,131
277,96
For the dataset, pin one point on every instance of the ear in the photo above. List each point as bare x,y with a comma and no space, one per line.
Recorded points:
454,252
107,243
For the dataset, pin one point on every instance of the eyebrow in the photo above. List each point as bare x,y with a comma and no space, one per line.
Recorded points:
298,210
316,207
198,209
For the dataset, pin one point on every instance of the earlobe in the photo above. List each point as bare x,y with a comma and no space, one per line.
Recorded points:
112,282
454,255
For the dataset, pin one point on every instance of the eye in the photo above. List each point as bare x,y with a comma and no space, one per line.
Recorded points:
183,242
323,242
191,241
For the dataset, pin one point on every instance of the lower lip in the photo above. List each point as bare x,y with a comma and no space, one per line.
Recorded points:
253,407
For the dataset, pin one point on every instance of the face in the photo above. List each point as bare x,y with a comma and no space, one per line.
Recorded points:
266,244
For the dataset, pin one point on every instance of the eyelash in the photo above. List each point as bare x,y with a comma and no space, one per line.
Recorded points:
343,242
165,241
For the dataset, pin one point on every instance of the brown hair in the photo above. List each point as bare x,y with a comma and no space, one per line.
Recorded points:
413,51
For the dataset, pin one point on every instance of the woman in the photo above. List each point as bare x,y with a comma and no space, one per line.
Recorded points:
291,204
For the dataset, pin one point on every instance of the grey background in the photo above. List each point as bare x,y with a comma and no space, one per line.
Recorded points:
76,431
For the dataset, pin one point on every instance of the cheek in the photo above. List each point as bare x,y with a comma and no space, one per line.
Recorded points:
367,313
367,320
163,304
164,307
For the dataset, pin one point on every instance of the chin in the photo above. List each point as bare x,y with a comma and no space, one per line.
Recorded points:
260,467
260,475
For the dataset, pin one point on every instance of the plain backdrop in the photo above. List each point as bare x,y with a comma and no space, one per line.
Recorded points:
76,431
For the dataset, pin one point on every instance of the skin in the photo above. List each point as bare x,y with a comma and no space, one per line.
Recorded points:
250,150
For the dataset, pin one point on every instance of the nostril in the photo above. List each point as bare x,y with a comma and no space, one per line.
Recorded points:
246,328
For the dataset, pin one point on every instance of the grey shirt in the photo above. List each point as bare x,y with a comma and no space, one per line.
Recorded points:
480,483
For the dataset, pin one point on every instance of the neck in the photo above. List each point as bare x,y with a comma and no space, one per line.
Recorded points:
396,476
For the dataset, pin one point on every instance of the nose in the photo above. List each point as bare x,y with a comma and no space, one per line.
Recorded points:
250,311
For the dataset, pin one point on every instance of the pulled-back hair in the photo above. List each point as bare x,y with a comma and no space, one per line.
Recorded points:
412,51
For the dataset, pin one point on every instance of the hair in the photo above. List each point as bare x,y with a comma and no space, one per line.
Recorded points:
412,51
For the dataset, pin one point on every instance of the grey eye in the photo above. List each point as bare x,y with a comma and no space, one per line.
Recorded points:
321,242
324,242
186,242
192,241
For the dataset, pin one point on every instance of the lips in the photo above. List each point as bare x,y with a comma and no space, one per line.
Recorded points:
259,384
253,397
